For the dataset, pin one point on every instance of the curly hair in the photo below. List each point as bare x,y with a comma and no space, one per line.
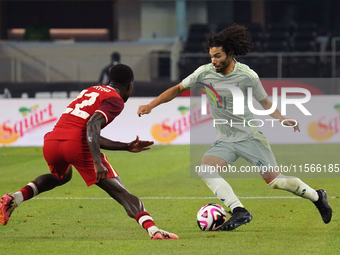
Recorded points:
121,74
235,38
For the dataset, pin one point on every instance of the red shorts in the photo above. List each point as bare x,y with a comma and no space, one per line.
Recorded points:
60,154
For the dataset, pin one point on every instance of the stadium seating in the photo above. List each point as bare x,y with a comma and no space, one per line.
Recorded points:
222,25
274,37
277,38
196,38
257,36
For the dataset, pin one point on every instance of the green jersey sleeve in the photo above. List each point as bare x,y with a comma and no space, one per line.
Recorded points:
197,76
259,92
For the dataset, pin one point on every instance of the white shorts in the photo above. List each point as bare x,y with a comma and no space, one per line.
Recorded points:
256,151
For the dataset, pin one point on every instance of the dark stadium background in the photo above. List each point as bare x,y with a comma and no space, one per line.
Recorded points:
314,20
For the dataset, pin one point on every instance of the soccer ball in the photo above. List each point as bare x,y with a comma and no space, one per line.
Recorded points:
210,217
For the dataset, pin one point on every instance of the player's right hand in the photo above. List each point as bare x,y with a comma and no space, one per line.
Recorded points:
101,171
138,145
291,122
144,109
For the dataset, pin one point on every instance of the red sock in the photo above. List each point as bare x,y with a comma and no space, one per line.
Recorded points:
29,191
145,220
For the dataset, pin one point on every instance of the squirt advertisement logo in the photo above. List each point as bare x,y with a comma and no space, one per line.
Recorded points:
325,127
174,127
25,120
169,129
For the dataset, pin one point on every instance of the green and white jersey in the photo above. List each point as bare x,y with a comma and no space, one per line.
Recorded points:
237,128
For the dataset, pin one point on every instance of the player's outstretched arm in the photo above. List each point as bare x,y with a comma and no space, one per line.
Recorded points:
138,145
166,96
134,146
266,104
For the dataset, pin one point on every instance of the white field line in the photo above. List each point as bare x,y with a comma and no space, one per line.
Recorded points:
163,198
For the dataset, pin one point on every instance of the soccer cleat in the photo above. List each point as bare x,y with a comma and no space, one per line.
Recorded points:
239,217
7,207
323,206
161,234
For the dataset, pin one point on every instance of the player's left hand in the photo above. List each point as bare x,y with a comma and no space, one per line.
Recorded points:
291,122
138,145
101,171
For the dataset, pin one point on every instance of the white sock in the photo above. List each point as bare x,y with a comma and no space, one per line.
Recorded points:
220,187
152,230
295,186
18,198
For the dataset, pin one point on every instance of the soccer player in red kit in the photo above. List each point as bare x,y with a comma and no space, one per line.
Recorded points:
75,140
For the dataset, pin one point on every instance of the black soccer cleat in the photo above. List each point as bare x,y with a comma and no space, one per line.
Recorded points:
239,217
323,206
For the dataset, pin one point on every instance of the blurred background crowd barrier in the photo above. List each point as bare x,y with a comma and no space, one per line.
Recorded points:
163,42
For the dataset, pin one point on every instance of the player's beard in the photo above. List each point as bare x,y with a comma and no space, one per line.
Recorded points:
223,65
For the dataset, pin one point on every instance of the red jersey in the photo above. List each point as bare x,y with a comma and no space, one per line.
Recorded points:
72,124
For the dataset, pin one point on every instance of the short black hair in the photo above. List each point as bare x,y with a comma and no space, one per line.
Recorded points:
235,38
115,56
121,74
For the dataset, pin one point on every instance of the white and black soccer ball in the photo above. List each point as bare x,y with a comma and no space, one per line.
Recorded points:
210,217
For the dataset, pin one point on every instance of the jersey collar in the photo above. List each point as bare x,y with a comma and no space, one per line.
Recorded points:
232,72
110,87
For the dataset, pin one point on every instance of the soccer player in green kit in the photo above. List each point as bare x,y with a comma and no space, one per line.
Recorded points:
234,141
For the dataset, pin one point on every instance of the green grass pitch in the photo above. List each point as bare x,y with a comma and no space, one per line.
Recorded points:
76,219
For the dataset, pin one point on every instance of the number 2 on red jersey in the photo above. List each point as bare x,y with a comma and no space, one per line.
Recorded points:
77,110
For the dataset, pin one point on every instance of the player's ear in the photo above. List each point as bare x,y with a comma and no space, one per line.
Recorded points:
130,86
231,54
